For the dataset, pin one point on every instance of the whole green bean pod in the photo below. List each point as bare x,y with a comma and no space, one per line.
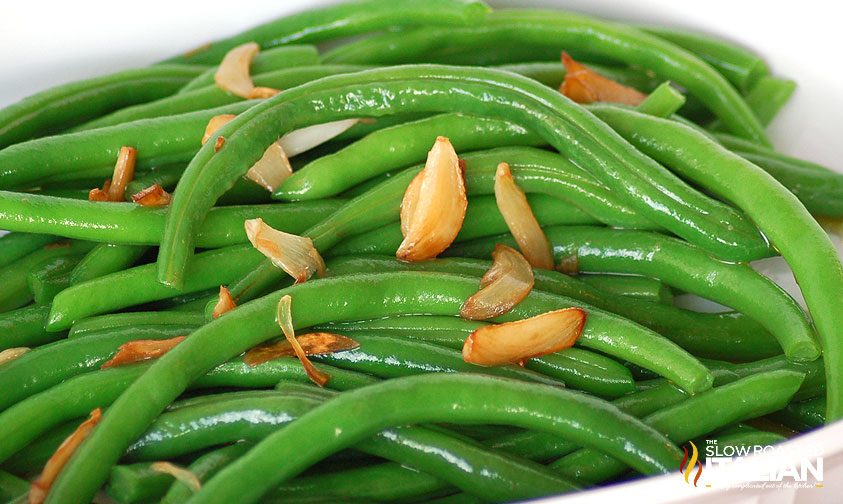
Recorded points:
137,285
642,287
316,302
740,66
741,400
51,277
343,20
64,106
158,141
680,265
788,225
725,335
812,386
233,416
26,327
399,146
104,259
575,367
571,32
132,224
766,99
278,58
210,96
14,246
804,415
118,320
13,277
35,415
429,89
433,399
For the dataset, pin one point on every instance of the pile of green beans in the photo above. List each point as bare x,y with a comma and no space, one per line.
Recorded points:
640,205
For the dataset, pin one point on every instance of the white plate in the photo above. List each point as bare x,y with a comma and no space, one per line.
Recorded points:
41,46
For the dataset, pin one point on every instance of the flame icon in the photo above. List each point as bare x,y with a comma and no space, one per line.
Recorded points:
685,469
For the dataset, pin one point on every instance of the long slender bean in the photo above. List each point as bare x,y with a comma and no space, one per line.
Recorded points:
117,320
14,246
137,285
741,400
684,266
726,335
571,32
104,259
210,96
790,228
132,224
51,277
378,92
399,147
26,327
63,106
343,20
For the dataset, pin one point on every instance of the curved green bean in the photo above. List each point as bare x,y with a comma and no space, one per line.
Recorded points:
104,259
26,327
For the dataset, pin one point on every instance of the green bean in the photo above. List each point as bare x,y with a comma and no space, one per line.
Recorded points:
32,459
48,365
741,67
12,488
812,386
291,56
378,92
482,218
26,327
399,146
104,259
821,192
208,95
158,141
120,320
316,302
684,266
741,400
51,277
387,357
642,287
13,277
766,99
805,415
385,482
137,483
724,335
137,285
63,106
204,468
552,74
788,225
233,416
664,101
14,246
337,21
575,367
132,224
572,32
37,414
435,398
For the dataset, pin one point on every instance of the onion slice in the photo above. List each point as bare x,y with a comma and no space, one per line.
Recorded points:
40,487
152,196
10,354
225,303
216,122
520,219
271,169
180,473
584,85
304,139
141,350
507,283
516,342
114,189
285,320
292,253
318,343
433,210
